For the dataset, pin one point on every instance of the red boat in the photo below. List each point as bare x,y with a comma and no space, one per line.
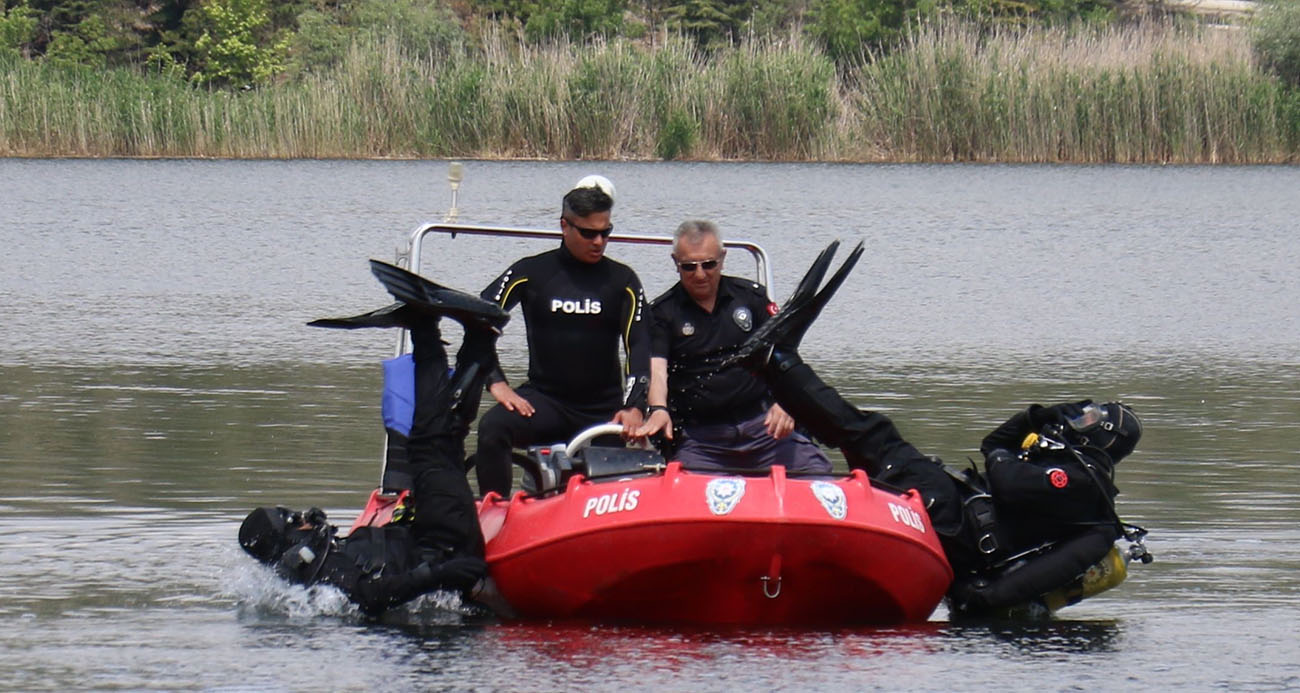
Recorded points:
662,544
611,534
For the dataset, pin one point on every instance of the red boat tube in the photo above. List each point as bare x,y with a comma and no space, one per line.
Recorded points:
686,547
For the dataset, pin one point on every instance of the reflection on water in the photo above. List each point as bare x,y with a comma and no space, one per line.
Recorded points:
159,383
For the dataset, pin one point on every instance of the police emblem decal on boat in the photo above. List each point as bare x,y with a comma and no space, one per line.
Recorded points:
724,494
744,320
832,498
687,329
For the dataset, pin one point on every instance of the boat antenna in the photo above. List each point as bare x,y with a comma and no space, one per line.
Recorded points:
455,174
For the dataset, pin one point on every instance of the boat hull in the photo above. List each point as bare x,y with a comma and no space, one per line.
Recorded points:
701,548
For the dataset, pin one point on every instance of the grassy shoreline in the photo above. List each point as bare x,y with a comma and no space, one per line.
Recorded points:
1144,94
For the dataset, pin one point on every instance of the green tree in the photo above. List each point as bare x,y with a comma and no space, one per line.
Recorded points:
848,29
91,32
775,18
90,42
237,44
578,20
1030,11
17,30
710,22
421,27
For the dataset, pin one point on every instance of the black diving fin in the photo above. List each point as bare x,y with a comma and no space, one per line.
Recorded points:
786,329
430,298
395,315
806,290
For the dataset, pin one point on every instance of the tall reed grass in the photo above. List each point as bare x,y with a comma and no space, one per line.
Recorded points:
1146,94
1137,94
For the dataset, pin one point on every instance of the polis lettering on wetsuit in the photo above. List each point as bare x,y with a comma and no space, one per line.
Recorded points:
584,307
577,316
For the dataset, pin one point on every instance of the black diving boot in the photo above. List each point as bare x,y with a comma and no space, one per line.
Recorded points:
785,330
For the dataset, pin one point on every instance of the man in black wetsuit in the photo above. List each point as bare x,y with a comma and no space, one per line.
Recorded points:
441,546
719,417
578,306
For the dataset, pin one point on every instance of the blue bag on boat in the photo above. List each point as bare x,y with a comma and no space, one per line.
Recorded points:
398,401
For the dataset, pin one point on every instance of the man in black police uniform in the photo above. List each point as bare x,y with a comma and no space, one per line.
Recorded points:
720,417
441,547
578,305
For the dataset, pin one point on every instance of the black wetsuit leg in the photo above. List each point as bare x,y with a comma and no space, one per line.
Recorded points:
869,441
446,520
501,430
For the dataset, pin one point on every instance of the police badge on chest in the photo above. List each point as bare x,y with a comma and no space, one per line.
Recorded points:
744,319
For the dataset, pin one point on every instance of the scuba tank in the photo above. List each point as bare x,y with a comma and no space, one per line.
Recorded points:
1099,577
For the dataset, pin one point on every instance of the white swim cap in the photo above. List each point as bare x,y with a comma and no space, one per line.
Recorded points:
594,181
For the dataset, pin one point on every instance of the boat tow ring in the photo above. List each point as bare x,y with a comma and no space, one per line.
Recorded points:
767,592
773,575
582,441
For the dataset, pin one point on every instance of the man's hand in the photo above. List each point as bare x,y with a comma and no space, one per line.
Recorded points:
660,421
779,424
508,398
631,420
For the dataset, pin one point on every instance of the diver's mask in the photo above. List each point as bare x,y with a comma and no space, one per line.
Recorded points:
1112,427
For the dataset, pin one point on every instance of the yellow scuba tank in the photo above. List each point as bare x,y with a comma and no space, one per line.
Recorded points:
1099,577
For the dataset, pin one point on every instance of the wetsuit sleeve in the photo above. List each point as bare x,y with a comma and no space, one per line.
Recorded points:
1011,433
506,291
636,342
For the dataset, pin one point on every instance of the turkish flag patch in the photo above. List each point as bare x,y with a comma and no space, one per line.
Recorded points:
1058,477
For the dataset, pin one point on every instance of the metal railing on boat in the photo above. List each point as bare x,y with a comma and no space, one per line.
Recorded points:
410,256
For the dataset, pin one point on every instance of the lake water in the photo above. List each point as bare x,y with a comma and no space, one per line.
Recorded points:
157,382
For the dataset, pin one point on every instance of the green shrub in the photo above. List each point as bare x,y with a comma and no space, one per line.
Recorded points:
677,136
1277,39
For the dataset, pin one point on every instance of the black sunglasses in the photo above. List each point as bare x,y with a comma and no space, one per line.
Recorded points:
690,266
590,234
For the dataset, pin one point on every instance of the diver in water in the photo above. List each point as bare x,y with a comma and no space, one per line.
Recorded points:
1050,472
441,546
1044,515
